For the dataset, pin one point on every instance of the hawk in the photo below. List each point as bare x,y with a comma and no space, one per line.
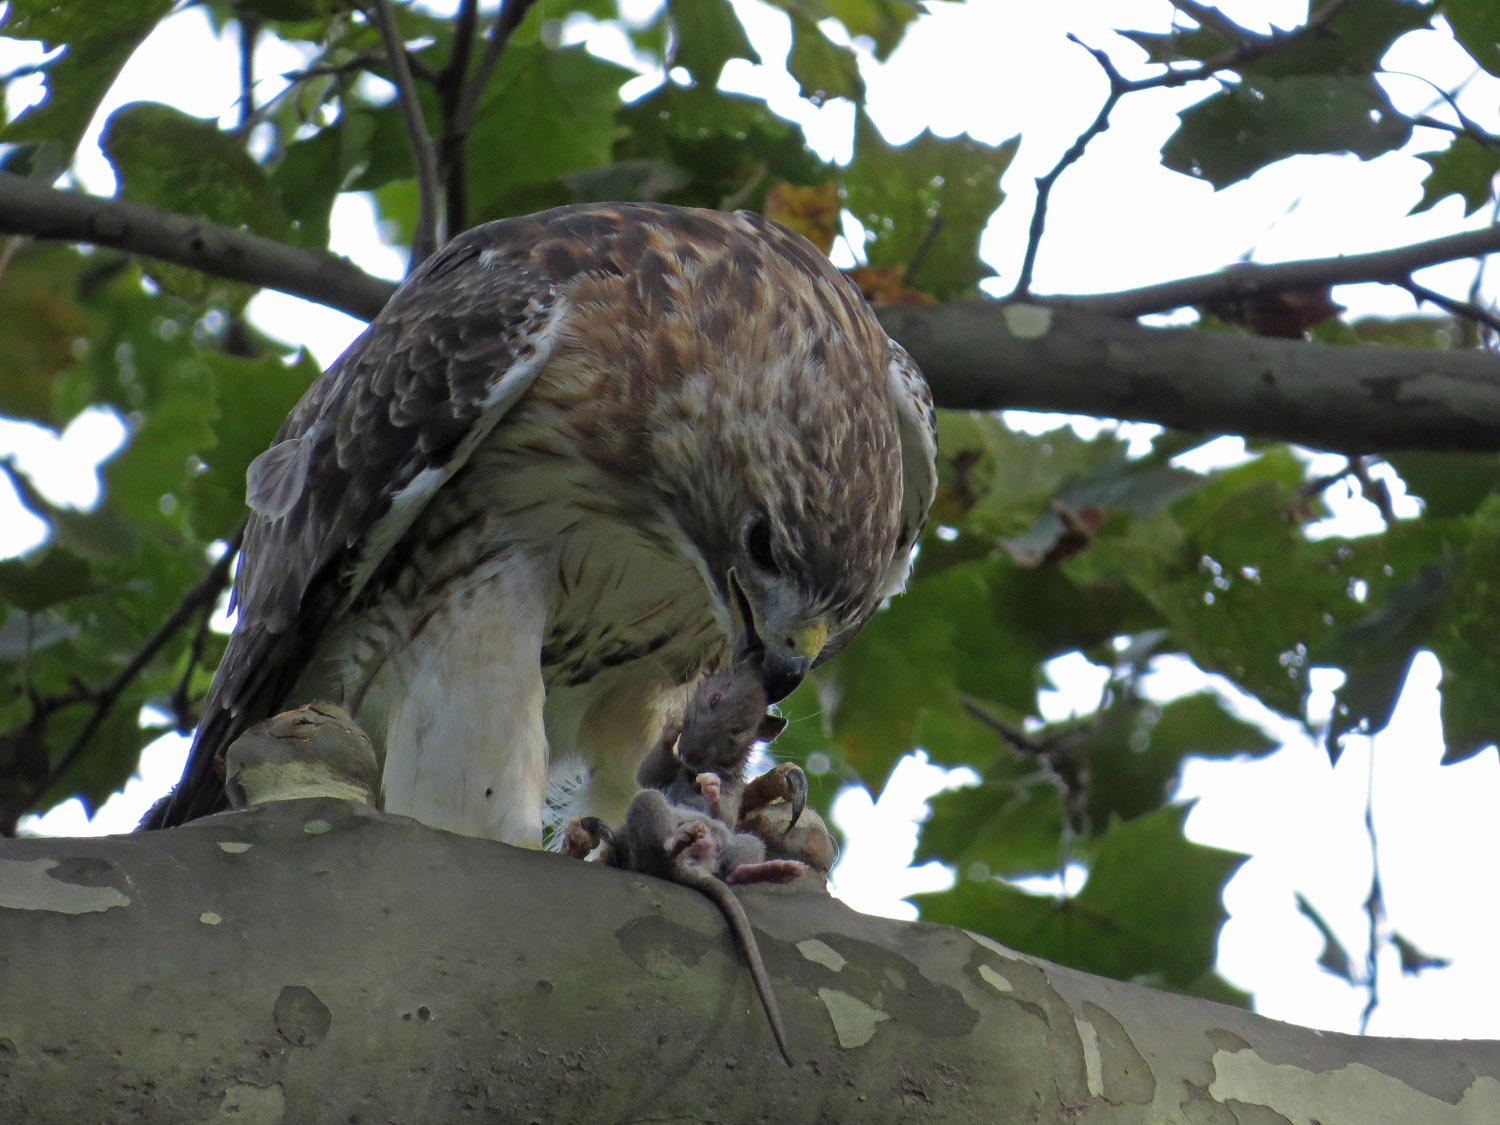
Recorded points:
579,460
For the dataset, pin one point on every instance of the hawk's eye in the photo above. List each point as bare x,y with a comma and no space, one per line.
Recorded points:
758,543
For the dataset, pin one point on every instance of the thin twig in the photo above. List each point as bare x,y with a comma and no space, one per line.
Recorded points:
1068,770
450,84
1464,309
361,60
249,31
182,704
1243,52
1214,20
507,19
424,240
1373,490
1374,906
205,591
1045,183
929,240
1245,279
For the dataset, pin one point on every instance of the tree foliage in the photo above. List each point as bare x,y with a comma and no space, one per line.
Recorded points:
1038,545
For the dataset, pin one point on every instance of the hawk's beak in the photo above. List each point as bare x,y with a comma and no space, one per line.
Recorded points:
783,666
781,662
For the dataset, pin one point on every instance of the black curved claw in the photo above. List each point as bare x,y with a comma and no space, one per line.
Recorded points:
598,830
796,782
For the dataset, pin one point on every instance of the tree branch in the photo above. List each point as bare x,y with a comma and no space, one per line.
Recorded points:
1247,279
988,355
34,209
317,960
507,19
250,25
1245,50
1045,183
425,238
451,81
1465,309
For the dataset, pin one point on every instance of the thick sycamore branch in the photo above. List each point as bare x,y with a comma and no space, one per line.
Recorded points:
1075,355
319,961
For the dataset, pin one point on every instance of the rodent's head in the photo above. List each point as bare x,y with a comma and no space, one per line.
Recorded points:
725,717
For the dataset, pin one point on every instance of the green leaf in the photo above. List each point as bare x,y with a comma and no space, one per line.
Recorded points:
1464,640
1134,753
147,481
708,34
1335,958
1465,168
1376,652
1403,331
928,192
105,763
1005,826
1150,910
1231,573
732,148
822,68
1193,44
1236,132
1449,484
41,323
45,578
99,38
251,398
1353,42
1413,960
25,632
1476,26
884,22
313,171
99,536
1201,725
547,113
145,143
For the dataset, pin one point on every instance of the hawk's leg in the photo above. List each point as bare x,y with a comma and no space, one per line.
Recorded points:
786,782
584,834
466,749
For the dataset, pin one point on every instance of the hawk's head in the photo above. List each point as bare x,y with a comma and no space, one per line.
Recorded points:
786,442
777,444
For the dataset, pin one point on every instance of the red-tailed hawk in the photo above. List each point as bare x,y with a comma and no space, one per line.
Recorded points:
580,459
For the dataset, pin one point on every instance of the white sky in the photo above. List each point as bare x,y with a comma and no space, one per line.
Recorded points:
1118,220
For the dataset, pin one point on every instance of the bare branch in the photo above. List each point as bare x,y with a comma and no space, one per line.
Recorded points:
451,82
249,31
511,13
989,355
104,698
1243,280
1465,309
1044,184
1245,50
34,209
425,238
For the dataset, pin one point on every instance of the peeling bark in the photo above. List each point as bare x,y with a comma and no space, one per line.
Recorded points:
316,960
985,355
